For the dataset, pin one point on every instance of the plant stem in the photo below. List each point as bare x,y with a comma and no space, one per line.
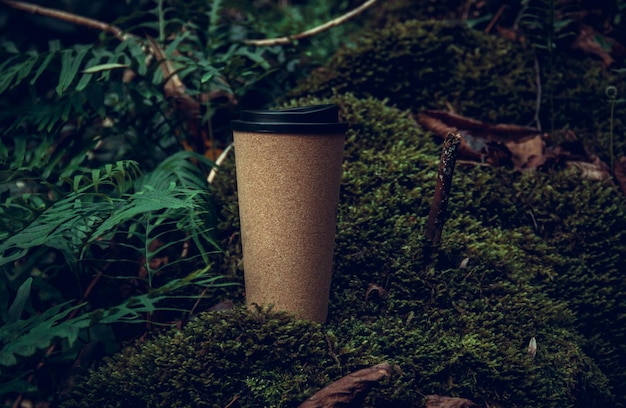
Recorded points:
65,16
439,205
611,127
161,23
309,33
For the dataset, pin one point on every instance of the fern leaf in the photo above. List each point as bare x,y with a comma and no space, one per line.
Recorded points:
24,338
214,18
143,202
9,70
71,61
69,223
42,67
17,307
25,69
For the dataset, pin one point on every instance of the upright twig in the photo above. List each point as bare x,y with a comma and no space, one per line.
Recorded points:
495,19
309,33
439,205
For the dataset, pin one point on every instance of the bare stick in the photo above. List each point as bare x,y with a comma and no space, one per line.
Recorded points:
439,205
309,33
69,17
495,19
218,163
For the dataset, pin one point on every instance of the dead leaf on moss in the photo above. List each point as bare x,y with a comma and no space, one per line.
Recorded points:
498,144
592,42
574,154
348,391
223,305
374,289
437,401
597,170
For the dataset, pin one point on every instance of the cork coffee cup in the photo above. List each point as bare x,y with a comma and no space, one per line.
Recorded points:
288,165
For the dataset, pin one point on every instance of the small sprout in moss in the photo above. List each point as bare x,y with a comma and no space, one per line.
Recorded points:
532,348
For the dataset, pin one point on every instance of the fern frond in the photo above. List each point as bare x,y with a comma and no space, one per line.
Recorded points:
67,224
179,169
24,338
545,21
71,61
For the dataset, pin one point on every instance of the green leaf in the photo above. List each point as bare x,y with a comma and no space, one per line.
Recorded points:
25,69
17,385
17,307
83,82
104,67
26,337
9,69
214,17
42,67
70,63
143,202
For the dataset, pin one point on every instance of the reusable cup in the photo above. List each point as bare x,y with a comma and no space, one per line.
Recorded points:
288,166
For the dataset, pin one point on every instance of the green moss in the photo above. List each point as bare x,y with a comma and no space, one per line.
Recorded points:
544,254
249,358
421,65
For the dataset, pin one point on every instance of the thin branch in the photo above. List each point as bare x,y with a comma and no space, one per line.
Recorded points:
439,205
309,33
495,19
218,163
65,16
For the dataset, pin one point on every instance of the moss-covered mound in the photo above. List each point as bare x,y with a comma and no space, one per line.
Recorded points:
420,65
247,359
522,255
434,64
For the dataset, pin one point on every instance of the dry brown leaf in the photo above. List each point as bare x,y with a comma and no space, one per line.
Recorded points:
223,305
528,154
376,290
597,170
437,401
498,144
587,41
348,391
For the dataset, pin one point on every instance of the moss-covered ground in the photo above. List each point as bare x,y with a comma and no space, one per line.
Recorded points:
536,254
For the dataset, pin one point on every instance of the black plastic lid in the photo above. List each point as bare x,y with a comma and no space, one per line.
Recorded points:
314,119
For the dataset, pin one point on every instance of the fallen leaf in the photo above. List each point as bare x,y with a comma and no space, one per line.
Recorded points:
437,401
597,170
498,144
223,305
573,154
372,289
348,391
592,42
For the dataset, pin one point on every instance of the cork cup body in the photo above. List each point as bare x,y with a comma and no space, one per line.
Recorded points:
288,180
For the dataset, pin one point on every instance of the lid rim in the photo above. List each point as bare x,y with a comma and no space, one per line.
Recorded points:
311,119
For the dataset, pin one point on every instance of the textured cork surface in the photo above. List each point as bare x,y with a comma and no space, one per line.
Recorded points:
288,189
